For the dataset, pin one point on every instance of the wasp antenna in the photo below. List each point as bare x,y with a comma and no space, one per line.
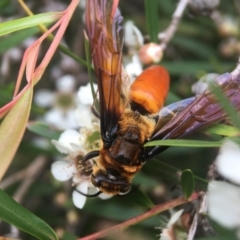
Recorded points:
90,155
89,195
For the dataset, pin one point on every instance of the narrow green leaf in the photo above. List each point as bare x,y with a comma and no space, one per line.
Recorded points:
184,143
151,12
4,3
89,68
222,129
143,200
12,129
15,38
44,130
26,22
193,45
194,66
89,64
188,183
227,106
15,214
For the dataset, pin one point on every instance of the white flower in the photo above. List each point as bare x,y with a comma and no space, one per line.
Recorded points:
56,117
44,97
66,83
85,94
132,36
134,68
201,85
79,200
84,117
75,145
70,141
14,55
63,170
62,103
223,203
11,55
223,197
228,161
82,4
170,231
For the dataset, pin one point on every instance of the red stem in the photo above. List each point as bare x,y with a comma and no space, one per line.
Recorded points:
155,210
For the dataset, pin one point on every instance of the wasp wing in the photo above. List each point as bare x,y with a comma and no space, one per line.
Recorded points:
104,29
202,111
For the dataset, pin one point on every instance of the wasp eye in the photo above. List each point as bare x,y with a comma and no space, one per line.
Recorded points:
112,177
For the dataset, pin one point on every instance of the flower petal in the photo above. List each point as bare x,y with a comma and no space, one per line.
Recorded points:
201,85
132,36
83,116
134,68
55,117
70,136
66,83
223,203
228,161
62,170
175,217
79,200
61,147
85,94
44,98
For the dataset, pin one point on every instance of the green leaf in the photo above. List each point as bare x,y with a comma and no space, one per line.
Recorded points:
222,129
188,183
12,129
171,98
69,236
118,205
96,106
4,3
27,22
143,200
15,214
227,106
89,64
15,38
151,12
193,45
193,67
44,130
184,143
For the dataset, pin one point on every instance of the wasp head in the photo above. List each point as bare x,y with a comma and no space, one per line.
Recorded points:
110,181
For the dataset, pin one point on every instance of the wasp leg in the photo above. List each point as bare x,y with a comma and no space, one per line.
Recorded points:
90,155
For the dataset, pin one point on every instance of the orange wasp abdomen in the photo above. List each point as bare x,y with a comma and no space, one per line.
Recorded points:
150,89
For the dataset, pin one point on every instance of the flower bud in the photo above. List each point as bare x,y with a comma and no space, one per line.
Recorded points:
150,53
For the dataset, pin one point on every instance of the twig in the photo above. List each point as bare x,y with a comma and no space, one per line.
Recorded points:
166,36
155,210
15,177
32,173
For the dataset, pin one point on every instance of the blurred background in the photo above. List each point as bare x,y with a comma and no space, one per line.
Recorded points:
202,44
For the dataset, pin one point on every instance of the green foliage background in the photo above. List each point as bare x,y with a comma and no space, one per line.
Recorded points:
194,50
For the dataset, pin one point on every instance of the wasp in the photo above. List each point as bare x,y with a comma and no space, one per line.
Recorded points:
130,118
